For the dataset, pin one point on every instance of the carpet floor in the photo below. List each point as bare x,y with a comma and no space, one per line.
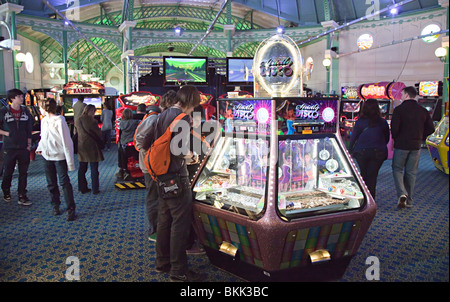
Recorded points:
109,237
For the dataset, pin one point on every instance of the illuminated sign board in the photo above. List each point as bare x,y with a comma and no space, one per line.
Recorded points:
84,88
381,90
349,92
277,68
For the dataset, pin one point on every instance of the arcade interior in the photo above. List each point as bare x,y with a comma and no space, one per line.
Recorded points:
278,197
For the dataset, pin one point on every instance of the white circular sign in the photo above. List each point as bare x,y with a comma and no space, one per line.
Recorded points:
429,29
365,41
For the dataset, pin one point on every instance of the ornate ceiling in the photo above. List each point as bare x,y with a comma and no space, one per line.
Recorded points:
157,18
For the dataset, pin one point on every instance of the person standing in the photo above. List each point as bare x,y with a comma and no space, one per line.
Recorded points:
78,108
16,125
106,120
56,147
175,214
89,151
143,133
143,138
410,125
368,143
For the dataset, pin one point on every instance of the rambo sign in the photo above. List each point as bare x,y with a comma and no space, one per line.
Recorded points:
84,88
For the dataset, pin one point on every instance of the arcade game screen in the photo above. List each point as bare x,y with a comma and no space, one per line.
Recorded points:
383,107
190,70
430,88
351,107
97,102
239,71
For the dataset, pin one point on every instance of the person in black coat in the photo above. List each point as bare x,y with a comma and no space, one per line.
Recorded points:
410,125
16,125
368,143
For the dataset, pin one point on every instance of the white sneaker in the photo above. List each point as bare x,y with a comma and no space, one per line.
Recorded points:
402,202
24,201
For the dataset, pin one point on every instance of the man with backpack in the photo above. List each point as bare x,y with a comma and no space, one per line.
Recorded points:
143,138
175,213
143,134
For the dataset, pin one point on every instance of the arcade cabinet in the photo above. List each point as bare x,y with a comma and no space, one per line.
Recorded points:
430,97
93,94
135,180
438,144
273,206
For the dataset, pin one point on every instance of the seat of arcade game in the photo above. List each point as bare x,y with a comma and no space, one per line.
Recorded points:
133,178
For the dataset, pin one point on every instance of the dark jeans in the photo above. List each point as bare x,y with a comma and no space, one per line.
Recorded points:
107,138
82,182
151,203
369,162
22,158
125,152
2,157
174,226
54,169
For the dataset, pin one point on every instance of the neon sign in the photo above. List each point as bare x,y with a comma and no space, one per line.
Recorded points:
245,112
374,91
307,111
381,90
278,67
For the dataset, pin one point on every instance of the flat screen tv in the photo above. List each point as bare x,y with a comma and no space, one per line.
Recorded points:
97,102
239,71
429,88
185,70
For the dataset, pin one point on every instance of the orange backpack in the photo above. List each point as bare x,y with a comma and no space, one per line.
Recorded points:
157,158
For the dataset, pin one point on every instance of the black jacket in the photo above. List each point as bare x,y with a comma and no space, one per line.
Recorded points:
19,131
410,125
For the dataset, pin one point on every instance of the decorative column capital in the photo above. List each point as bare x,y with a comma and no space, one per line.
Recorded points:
127,24
7,8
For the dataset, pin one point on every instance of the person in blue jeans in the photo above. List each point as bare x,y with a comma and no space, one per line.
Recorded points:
56,147
368,143
410,125
89,152
106,119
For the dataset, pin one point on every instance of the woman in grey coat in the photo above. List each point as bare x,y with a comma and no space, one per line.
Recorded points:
89,134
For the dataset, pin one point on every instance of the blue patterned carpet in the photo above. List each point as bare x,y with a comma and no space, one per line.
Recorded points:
109,236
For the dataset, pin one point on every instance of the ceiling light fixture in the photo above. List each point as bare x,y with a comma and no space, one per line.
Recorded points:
177,31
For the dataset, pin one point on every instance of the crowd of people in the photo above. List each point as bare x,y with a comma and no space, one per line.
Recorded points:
410,126
170,219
